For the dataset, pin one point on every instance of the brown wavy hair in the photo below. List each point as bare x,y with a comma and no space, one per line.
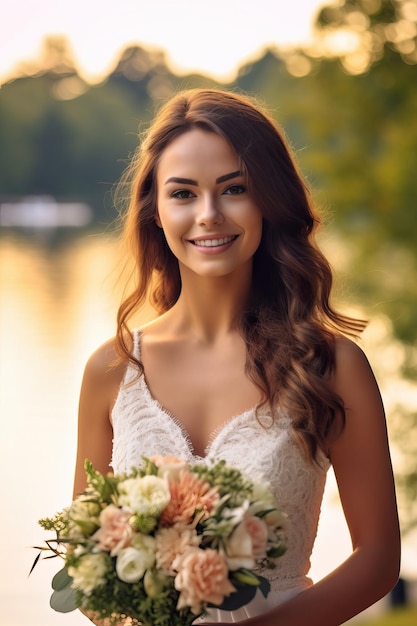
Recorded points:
289,325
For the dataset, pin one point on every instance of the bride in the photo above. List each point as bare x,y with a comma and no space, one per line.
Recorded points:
247,360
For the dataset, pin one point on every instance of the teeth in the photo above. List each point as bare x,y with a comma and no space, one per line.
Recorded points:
212,243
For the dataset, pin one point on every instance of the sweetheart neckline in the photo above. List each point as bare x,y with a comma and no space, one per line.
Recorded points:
137,335
184,432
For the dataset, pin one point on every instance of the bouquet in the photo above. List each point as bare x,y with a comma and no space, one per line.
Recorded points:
165,542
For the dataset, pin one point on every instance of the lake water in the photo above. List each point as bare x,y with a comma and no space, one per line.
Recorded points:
56,307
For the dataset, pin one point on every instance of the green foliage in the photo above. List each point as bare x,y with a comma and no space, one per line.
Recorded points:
229,481
132,597
99,485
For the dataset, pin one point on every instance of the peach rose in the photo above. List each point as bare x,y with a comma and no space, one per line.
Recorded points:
170,466
247,543
258,532
115,531
202,577
188,495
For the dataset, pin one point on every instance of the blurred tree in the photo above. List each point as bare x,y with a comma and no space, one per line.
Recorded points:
369,28
63,137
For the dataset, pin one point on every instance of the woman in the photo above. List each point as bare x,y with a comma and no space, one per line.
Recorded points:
246,360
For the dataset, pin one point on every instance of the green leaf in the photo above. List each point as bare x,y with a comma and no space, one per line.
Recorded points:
265,586
277,551
64,601
61,580
35,563
239,598
245,577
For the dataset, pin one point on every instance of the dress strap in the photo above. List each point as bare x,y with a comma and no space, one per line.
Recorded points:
136,343
131,373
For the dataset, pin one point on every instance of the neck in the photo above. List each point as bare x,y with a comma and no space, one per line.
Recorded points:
210,307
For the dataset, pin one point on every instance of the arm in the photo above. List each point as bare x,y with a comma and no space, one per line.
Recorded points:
99,390
362,466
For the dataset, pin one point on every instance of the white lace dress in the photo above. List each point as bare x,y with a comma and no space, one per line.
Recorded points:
142,426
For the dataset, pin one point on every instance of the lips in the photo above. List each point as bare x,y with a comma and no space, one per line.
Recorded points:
214,242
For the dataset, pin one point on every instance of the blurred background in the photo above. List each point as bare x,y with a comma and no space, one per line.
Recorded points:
79,81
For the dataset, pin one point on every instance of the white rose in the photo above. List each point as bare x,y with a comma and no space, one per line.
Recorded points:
145,496
239,549
132,562
263,493
90,572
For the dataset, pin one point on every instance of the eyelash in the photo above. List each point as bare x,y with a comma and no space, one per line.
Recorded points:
241,189
178,194
185,194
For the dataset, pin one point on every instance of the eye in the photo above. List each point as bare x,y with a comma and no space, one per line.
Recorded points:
182,194
234,190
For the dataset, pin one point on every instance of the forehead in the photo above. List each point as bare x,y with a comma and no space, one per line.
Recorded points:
197,150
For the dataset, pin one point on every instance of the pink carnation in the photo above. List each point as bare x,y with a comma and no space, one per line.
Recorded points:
114,532
173,542
188,495
202,577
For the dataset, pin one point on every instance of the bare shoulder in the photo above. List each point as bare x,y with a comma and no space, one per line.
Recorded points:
355,383
104,368
352,365
349,354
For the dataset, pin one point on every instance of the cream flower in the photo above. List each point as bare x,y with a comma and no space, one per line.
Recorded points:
145,496
262,491
84,516
90,572
132,562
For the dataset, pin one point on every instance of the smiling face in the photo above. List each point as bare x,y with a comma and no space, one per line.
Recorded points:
210,221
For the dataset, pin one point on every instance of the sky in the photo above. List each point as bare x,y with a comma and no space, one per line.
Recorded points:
213,37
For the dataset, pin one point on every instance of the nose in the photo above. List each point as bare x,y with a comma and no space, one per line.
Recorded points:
209,211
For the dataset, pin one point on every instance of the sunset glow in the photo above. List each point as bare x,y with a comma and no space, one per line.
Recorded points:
214,38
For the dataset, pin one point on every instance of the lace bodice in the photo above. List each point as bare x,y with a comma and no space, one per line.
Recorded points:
259,447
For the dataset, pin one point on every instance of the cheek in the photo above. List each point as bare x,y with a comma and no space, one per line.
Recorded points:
173,227
254,228
174,231
169,220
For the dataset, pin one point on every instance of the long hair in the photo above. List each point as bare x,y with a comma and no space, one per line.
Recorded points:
289,325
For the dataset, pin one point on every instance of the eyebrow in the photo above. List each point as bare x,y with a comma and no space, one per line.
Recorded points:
190,181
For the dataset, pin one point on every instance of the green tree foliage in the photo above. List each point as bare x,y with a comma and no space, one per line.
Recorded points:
61,137
377,24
